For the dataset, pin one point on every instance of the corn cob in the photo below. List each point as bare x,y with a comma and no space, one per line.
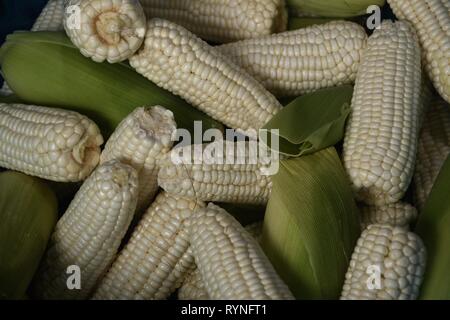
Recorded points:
89,233
50,19
431,19
222,20
178,61
193,287
433,149
388,264
241,182
140,140
50,143
105,29
231,263
156,259
398,214
382,131
300,61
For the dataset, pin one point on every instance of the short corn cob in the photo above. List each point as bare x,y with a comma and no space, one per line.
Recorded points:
156,259
50,143
89,233
241,182
50,19
433,149
111,30
398,214
222,20
193,287
300,61
431,19
231,262
388,264
140,140
382,132
178,61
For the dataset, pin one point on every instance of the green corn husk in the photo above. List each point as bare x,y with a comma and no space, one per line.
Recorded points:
44,68
311,225
28,213
332,8
312,122
12,98
433,227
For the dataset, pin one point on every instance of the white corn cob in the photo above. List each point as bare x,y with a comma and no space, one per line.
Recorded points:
433,149
387,264
89,233
300,61
193,287
111,30
50,143
156,260
223,180
431,19
222,20
50,19
231,262
178,61
398,214
140,140
382,132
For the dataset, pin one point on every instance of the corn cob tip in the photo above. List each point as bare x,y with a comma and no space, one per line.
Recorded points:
106,30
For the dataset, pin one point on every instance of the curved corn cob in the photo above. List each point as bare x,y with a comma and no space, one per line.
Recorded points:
240,182
90,231
50,19
398,214
300,61
433,149
431,19
182,63
111,30
231,263
193,287
382,132
156,259
140,140
388,264
222,20
50,143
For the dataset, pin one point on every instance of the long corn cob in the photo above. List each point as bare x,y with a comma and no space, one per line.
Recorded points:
382,132
398,214
222,20
431,19
156,259
231,262
105,29
388,264
433,149
182,63
89,233
300,61
193,287
221,181
50,19
50,143
140,140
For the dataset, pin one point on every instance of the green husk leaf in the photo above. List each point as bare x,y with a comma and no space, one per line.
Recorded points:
28,213
311,225
12,98
313,121
433,227
44,68
333,8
